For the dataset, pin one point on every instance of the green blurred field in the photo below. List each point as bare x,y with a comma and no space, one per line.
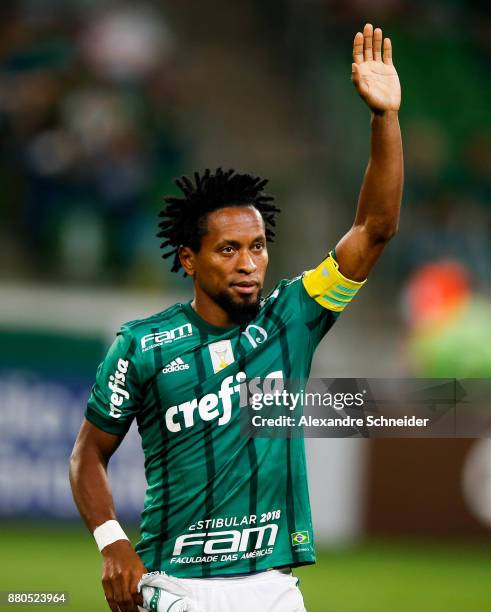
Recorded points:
374,577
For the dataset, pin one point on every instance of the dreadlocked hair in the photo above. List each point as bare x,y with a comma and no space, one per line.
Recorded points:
184,218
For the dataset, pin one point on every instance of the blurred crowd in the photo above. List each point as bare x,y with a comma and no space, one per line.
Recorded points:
89,141
87,138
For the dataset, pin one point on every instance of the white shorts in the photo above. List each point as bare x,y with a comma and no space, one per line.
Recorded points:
270,591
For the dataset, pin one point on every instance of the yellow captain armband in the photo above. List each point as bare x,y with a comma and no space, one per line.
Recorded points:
328,287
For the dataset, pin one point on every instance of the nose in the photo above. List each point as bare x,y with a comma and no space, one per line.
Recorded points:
246,263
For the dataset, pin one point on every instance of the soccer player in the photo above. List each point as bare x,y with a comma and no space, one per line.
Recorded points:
226,517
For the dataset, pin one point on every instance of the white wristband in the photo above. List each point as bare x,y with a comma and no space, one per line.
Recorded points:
107,533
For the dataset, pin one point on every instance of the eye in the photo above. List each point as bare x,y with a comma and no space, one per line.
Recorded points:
259,246
228,250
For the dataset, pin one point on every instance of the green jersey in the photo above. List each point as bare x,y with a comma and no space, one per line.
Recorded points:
218,503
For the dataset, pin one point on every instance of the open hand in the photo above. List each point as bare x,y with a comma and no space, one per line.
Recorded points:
374,77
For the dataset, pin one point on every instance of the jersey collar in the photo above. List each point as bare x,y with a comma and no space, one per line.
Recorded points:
209,328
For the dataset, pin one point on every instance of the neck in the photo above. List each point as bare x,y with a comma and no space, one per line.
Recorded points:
210,311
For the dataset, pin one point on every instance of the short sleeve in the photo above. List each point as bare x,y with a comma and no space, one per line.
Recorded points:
325,294
115,398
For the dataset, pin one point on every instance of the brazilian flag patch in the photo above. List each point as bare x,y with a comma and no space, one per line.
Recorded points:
300,537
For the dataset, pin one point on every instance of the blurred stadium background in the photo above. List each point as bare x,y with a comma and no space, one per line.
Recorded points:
101,105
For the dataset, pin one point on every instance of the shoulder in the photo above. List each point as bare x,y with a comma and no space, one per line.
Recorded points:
136,326
285,300
283,290
141,331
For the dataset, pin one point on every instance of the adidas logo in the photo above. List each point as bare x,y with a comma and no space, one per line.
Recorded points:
176,365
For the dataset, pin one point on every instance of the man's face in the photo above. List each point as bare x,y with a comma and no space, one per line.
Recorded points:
231,264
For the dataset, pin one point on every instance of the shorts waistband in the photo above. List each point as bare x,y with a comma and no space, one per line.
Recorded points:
283,570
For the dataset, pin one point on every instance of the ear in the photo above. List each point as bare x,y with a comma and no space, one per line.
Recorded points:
187,259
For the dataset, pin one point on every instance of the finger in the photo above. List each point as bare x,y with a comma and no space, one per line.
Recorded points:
117,587
125,601
358,48
377,45
112,604
135,595
128,605
367,42
108,592
387,51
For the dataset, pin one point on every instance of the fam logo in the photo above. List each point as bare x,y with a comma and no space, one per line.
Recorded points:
117,384
151,341
229,541
255,334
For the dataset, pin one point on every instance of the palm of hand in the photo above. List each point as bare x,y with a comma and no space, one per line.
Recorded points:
379,87
374,76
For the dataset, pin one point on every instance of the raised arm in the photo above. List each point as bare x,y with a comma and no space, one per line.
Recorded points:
377,215
122,567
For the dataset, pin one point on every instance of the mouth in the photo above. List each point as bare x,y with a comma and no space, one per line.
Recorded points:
245,287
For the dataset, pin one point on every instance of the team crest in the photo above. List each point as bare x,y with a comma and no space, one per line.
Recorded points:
221,354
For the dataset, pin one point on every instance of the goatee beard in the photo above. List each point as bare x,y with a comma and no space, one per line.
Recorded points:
242,312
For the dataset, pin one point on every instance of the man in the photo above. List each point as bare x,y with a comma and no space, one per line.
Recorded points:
226,516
